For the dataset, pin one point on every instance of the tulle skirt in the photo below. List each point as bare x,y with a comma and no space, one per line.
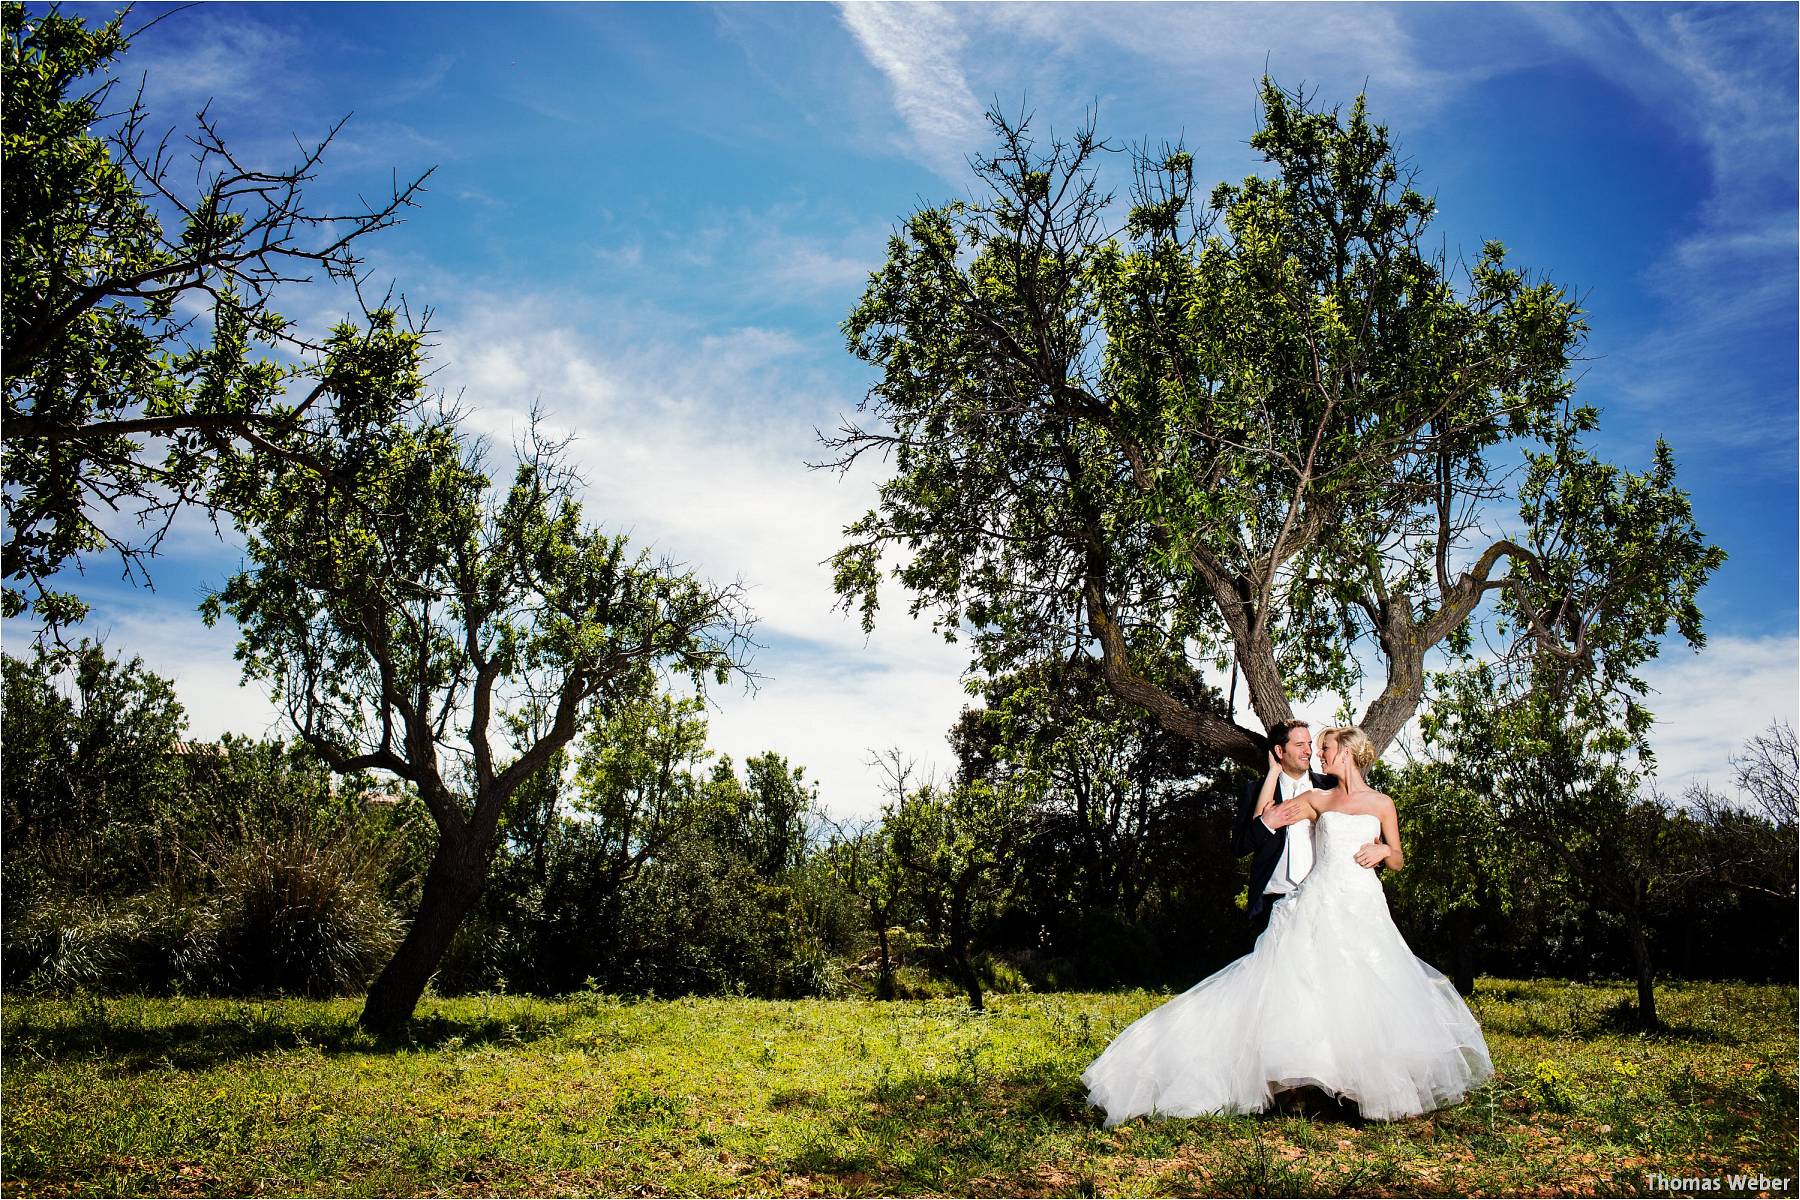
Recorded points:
1331,997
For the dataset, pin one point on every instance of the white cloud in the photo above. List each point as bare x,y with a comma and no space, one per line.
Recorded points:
830,712
1725,72
701,495
174,644
1204,58
221,56
1708,704
1225,47
1724,76
915,46
787,255
423,82
695,444
806,267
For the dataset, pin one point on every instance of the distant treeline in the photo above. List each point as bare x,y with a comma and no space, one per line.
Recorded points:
1077,846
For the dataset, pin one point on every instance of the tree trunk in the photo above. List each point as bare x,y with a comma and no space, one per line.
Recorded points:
884,972
1093,863
1205,729
452,886
959,946
1462,940
1646,977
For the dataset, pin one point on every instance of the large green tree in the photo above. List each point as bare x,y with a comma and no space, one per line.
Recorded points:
955,848
638,777
140,339
1124,871
1268,423
415,620
863,863
1570,807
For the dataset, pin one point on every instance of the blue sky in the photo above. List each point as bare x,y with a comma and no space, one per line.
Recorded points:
651,220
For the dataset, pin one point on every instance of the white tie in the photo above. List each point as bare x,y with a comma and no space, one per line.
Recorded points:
1299,840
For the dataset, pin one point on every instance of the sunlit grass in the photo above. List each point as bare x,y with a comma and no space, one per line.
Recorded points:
590,1094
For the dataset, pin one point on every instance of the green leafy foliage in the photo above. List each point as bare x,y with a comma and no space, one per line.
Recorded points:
958,844
1268,423
1125,872
138,862
413,619
657,875
121,402
1564,801
92,800
1462,864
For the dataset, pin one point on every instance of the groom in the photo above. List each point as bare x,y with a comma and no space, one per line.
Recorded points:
1282,849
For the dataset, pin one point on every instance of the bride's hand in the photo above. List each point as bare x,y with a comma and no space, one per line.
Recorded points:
1371,853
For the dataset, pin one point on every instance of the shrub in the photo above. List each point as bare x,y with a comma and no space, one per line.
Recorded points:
299,914
483,955
81,943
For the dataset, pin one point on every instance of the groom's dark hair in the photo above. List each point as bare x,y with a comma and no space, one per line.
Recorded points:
1278,732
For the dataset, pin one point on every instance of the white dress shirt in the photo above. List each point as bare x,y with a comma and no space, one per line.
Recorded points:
1296,853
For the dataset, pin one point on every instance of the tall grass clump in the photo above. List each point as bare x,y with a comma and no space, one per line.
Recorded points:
298,913
80,943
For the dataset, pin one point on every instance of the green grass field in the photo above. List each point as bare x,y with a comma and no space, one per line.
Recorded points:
588,1094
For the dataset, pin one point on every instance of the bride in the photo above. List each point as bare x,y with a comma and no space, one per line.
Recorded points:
1331,997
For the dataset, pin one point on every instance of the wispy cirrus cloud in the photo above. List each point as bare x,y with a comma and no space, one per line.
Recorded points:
1723,75
1724,72
260,82
917,47
1222,48
938,59
787,254
223,55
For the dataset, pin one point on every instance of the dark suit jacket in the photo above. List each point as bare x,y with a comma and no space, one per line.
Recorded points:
1264,844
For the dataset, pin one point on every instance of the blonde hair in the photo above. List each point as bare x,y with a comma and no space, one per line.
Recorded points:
1362,750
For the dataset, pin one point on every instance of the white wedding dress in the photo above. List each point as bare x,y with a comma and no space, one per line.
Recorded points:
1331,997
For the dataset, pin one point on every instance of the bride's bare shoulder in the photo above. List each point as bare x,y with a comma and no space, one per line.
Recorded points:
1326,799
1370,802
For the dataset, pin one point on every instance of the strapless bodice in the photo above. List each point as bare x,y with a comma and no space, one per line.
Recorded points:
1336,838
